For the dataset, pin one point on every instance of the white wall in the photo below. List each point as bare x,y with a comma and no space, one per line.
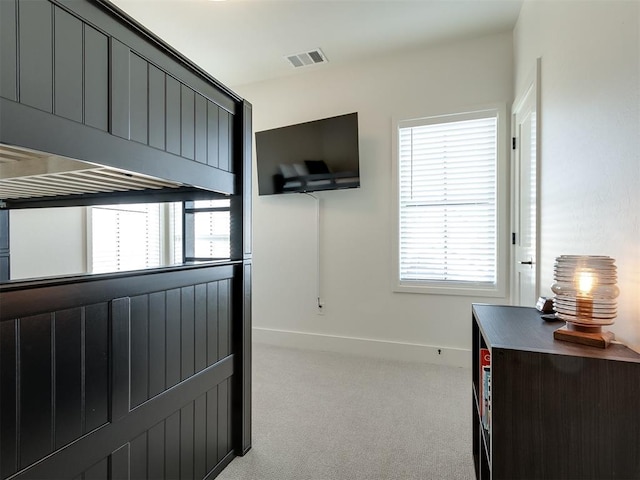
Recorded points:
356,226
590,136
47,242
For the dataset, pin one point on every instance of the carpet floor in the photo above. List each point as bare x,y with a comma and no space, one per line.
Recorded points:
328,416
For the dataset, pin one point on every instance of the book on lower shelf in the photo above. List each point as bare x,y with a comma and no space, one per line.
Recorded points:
485,388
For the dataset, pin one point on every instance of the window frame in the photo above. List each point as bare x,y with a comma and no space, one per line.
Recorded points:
448,287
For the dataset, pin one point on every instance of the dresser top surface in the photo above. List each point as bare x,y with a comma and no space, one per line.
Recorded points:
522,328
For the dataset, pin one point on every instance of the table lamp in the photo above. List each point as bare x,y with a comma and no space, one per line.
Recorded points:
585,298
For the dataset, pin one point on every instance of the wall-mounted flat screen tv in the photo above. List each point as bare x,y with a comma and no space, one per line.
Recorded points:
309,157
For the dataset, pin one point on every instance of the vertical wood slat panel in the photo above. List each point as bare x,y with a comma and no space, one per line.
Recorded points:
224,320
68,62
212,134
99,471
8,50
223,419
187,334
120,314
119,463
96,79
68,375
200,437
36,54
157,329
139,332
187,122
173,338
212,428
200,327
186,442
156,107
120,74
172,446
96,361
35,377
172,112
156,451
8,411
138,458
201,129
224,140
212,323
139,102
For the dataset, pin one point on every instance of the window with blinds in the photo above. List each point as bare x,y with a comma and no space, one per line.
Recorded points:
211,229
135,236
125,237
447,197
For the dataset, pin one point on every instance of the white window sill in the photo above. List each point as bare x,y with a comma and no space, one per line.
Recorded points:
462,289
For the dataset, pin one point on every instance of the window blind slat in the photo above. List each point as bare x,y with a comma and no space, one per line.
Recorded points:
447,193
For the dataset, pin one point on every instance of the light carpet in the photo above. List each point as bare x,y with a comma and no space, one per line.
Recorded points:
328,416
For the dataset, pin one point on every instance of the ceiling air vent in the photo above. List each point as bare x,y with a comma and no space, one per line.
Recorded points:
304,59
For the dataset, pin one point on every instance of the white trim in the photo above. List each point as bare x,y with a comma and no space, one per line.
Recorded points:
503,200
366,347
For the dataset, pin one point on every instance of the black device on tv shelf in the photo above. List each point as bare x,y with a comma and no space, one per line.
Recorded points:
309,157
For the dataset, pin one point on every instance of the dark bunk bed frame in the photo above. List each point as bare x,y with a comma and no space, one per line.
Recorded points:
143,374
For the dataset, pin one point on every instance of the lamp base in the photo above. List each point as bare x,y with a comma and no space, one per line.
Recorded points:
592,336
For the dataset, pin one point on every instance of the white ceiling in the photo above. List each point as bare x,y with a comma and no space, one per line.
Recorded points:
245,41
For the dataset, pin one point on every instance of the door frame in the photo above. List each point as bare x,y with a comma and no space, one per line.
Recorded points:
532,86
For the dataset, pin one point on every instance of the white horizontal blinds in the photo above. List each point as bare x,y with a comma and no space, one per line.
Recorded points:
448,210
175,232
125,237
212,229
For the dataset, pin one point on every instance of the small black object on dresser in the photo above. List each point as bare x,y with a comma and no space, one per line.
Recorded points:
556,410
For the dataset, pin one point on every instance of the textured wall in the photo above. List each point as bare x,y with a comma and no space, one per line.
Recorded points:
590,136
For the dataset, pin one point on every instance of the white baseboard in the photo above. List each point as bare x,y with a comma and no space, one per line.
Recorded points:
410,352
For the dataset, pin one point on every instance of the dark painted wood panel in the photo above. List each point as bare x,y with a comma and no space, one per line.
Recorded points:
212,428
224,319
8,390
200,347
68,65
36,389
186,441
139,108
212,323
201,129
172,112
8,50
224,409
155,437
187,122
35,129
172,446
138,458
36,54
139,324
157,330
96,366
224,141
173,353
156,107
188,330
120,372
212,134
96,79
200,437
99,471
120,89
119,463
68,375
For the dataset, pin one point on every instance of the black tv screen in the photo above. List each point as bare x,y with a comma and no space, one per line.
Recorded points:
308,157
